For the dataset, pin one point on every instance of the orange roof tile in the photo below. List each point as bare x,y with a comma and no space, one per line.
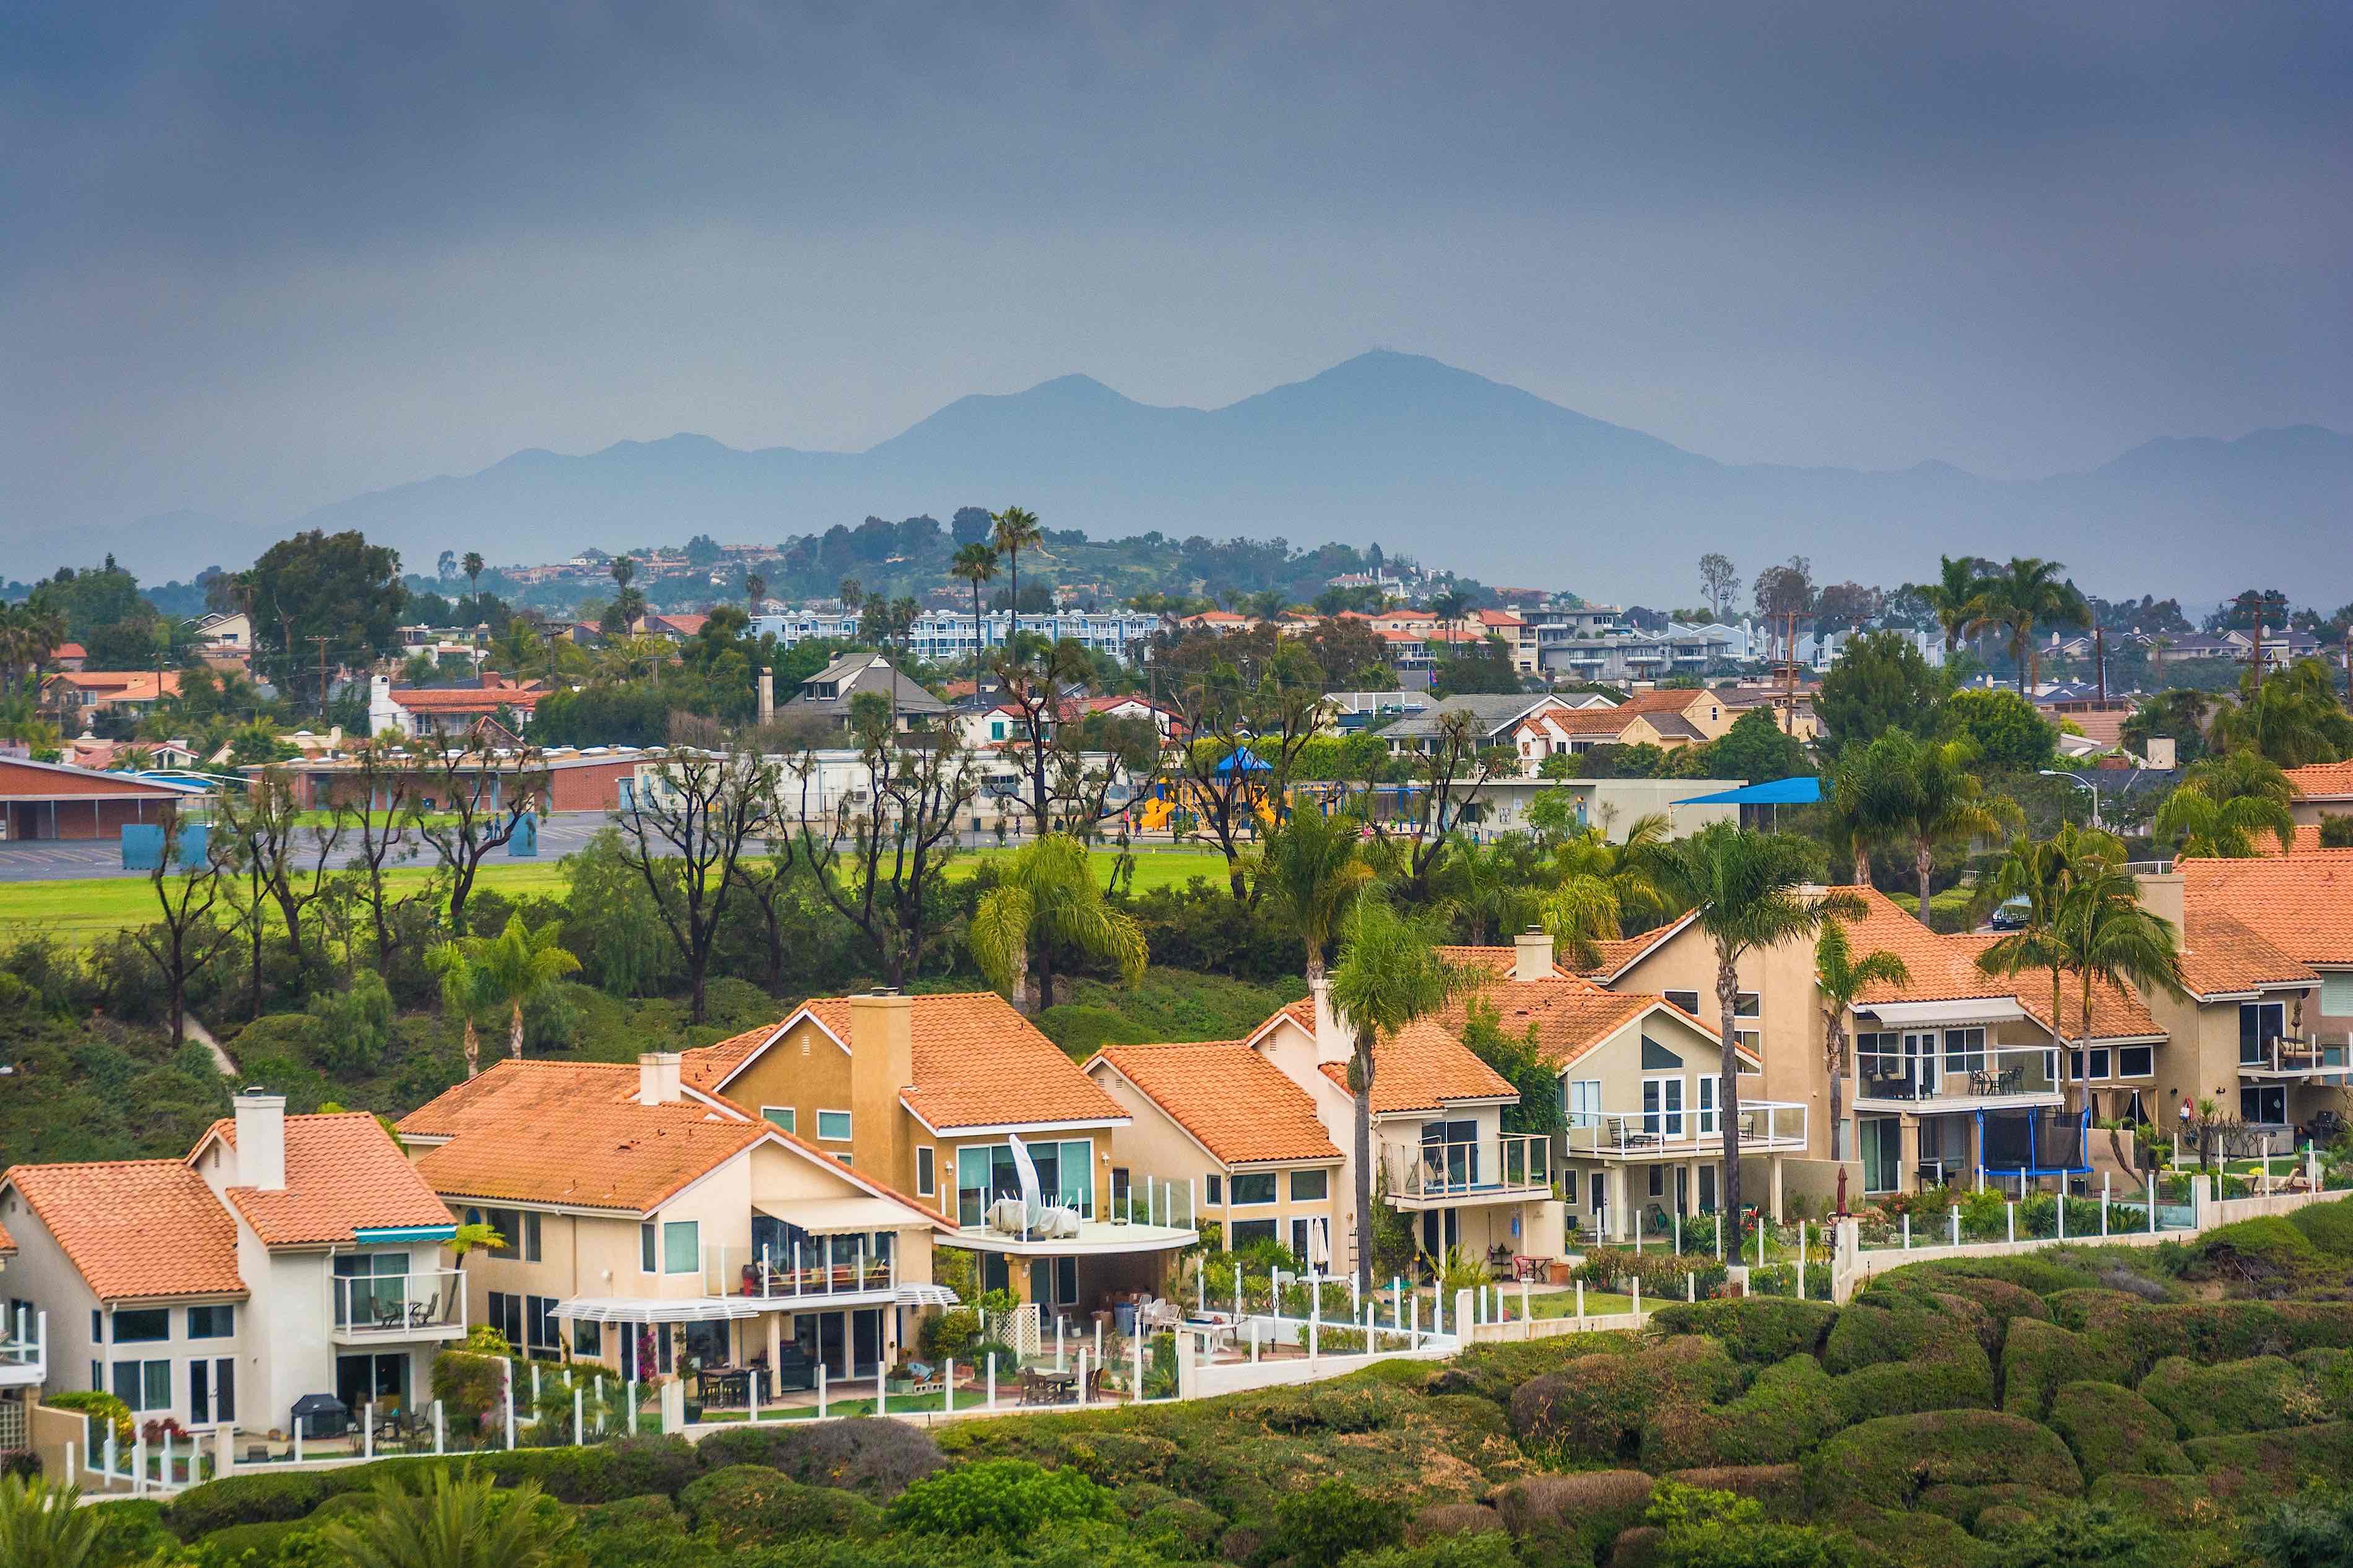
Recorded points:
465,699
977,1063
1500,962
1420,1067
7,1242
344,1174
2323,781
1620,954
1944,968
1235,1103
570,1132
123,685
1569,1018
135,1228
2220,955
1664,700
2300,904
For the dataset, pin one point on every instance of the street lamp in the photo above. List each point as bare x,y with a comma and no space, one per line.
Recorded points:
2080,783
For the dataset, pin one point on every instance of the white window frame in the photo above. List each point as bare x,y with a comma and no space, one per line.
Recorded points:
671,1227
2124,1051
927,1179
825,1137
1670,1117
1707,1108
783,1118
1582,1105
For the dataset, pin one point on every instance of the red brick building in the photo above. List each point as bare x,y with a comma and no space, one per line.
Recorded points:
45,800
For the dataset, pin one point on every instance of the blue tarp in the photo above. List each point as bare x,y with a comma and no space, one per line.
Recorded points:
1780,792
1245,760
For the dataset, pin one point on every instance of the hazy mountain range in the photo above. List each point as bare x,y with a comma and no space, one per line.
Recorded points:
1454,468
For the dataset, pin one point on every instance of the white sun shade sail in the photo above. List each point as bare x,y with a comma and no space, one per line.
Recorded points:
839,1217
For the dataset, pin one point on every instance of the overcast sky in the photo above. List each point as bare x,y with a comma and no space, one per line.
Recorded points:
255,258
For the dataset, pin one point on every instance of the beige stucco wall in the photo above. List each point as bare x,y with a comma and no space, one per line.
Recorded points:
1153,1145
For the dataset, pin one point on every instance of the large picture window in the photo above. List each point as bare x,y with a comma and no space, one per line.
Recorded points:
2260,1023
681,1246
987,1172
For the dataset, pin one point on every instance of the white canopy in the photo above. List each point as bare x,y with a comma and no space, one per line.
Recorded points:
1978,1010
653,1309
839,1217
927,1296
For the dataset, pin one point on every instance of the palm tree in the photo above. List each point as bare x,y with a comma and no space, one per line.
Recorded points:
1872,794
1309,873
45,1526
1487,885
474,1237
2107,937
1747,892
1449,607
2293,717
756,588
1946,805
462,992
1390,974
472,567
2225,804
1839,980
976,564
2018,598
516,968
1047,899
2040,874
1017,531
1601,886
452,1521
1955,597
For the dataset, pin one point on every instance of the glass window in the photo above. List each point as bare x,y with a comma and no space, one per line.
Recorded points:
925,1180
681,1246
1309,1186
212,1322
1687,1000
833,1126
144,1385
1075,1186
1249,1230
646,1258
2099,1063
1584,1107
507,1223
1746,1004
777,1116
2136,1061
2260,1023
1215,1189
1965,1051
1255,1188
1662,1107
540,1326
587,1339
1707,1087
142,1326
530,1237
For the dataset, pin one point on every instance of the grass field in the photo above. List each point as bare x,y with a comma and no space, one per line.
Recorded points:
80,911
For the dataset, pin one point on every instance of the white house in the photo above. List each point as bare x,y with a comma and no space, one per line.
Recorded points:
282,1256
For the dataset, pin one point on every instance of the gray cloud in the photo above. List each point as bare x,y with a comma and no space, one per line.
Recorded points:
257,261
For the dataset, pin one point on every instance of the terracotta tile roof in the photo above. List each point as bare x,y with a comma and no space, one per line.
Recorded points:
1500,962
2117,1014
2323,781
1942,968
2307,841
977,1063
1420,1067
123,685
1232,1099
465,699
343,1172
2300,904
570,1132
7,1242
135,1228
1620,954
2220,954
1665,700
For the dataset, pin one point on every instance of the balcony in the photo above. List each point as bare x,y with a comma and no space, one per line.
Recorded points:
1765,1126
2286,1057
1957,1080
838,1271
376,1308
1512,1168
1149,1214
24,1351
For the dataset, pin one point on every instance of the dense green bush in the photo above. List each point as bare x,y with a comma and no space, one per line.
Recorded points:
1911,1355
1593,1410
1889,1462
241,1545
1493,1371
752,1505
2038,1359
1784,1415
2328,1227
1755,1330
1451,1518
1575,1517
1003,1499
1330,1520
876,1458
1179,1528
2271,1243
2113,1430
249,1500
2259,1394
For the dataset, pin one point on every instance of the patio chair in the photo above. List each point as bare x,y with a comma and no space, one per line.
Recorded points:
421,1314
390,1314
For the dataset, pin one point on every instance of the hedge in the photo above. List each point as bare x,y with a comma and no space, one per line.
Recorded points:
877,1458
1572,1517
2001,1300
752,1505
2114,1431
1594,1408
1915,1539
1493,1371
1451,1518
2038,1359
2169,1500
2271,1241
1912,1357
1755,1330
1785,1414
1887,1463
2264,1465
2259,1394
1780,1487
1972,1507
228,1547
1182,1528
2328,1227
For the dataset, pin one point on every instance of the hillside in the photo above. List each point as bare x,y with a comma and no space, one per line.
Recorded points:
1472,474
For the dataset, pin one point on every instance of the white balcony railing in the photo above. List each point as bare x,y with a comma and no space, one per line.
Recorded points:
2290,1056
822,1268
1479,1167
1764,1125
1993,1072
25,1349
427,1305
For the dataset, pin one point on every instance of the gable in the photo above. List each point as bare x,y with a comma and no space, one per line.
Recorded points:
1656,1057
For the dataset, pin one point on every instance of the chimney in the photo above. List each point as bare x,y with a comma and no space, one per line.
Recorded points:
1332,1041
2165,896
260,1140
881,1065
1531,955
658,1078
768,697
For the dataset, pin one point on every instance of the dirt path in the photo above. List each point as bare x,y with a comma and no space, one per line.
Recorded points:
204,1036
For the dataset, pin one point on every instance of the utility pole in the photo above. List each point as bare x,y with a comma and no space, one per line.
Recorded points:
2100,655
321,643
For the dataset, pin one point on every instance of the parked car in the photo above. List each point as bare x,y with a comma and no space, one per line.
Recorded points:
2010,916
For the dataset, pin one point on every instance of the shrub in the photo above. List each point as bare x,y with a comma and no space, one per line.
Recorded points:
1330,1520
2171,1499
644,1465
1455,1549
1787,1412
1451,1518
1593,1409
950,1333
2080,1533
2309,1533
878,1460
96,1402
1912,1357
1888,1462
751,1505
2271,1244
2273,1464
1579,1514
1755,1330
2328,1227
242,1544
2038,1359
2260,1394
1179,1528
129,1530
2112,1430
1778,1486
470,1385
1005,1498
1493,1371
1703,1529
248,1500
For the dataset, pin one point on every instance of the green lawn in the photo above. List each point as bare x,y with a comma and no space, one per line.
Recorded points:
82,910
1153,867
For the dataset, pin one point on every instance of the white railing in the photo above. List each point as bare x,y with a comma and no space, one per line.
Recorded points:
400,1306
1510,1163
805,1271
25,1349
1141,1200
1991,1073
2289,1057
1763,1124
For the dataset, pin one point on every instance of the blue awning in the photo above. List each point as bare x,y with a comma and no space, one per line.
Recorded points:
1803,791
1243,760
382,1234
